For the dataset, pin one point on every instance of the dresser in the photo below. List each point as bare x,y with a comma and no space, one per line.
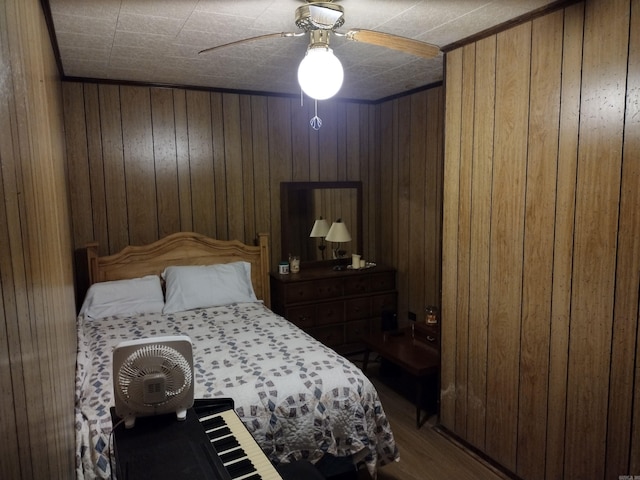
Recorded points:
335,307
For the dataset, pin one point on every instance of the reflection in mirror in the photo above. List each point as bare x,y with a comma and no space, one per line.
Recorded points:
302,203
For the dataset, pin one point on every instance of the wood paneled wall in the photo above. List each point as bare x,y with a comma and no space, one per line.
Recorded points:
37,316
541,244
410,146
145,162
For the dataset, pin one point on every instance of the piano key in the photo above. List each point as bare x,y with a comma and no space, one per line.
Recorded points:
225,443
212,421
228,434
240,468
231,455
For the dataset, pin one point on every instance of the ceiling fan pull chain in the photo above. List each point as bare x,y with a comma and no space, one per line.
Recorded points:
316,121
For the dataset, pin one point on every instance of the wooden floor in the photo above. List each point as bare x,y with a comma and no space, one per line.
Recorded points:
425,454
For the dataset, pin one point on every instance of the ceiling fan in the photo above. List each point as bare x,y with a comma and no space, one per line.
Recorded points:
320,73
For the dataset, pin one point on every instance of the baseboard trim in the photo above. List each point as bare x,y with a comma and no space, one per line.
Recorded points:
476,453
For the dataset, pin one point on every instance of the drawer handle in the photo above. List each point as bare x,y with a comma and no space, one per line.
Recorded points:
430,338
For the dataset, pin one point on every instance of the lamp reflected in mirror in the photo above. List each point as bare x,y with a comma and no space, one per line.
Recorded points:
339,234
303,203
320,230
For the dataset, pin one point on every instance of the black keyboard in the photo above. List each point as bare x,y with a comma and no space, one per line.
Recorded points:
212,443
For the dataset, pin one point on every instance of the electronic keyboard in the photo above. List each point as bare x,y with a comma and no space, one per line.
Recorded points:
212,443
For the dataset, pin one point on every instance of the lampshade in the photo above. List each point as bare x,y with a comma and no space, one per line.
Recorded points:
338,233
320,73
320,228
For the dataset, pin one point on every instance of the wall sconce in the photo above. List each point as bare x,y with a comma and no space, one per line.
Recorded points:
338,233
320,230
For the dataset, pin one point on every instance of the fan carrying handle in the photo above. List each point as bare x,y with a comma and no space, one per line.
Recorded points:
251,39
395,42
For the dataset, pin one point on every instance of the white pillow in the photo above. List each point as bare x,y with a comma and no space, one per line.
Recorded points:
124,297
201,286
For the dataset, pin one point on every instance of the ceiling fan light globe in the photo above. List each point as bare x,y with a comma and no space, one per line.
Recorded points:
320,73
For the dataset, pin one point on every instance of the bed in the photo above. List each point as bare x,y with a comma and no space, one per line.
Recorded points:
298,398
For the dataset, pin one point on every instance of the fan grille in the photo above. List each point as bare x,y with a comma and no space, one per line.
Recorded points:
150,360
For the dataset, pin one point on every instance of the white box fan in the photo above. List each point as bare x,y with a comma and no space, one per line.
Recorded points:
153,376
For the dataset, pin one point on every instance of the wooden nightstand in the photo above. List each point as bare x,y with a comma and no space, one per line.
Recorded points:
335,307
415,349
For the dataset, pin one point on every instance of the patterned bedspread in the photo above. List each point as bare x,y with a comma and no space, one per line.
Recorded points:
298,398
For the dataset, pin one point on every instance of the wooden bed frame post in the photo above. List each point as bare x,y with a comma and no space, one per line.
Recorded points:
263,243
92,262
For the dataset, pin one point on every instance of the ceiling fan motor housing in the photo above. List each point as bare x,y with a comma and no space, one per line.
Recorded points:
319,16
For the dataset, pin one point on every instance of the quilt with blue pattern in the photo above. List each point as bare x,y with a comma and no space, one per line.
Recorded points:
298,398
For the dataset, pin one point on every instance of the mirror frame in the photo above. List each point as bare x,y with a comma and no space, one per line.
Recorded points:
288,190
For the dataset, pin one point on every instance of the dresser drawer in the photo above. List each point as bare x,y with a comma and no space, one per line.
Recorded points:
355,330
328,313
303,317
357,308
381,302
308,291
332,335
357,285
379,282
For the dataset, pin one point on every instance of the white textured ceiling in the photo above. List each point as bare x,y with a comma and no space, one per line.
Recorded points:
157,41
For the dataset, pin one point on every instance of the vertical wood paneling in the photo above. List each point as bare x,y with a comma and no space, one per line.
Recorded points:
114,173
96,201
366,163
139,164
561,343
451,187
341,141
622,430
563,242
355,157
164,154
385,146
233,162
248,173
77,161
433,196
36,285
483,131
464,232
544,108
220,185
328,142
279,160
201,164
302,166
400,220
597,210
388,165
182,159
506,249
417,192
260,129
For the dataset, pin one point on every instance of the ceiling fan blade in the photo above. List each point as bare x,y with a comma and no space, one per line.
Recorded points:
251,39
403,44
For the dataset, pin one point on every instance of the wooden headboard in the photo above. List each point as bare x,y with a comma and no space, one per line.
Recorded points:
183,248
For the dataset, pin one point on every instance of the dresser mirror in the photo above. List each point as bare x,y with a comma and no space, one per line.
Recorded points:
302,203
